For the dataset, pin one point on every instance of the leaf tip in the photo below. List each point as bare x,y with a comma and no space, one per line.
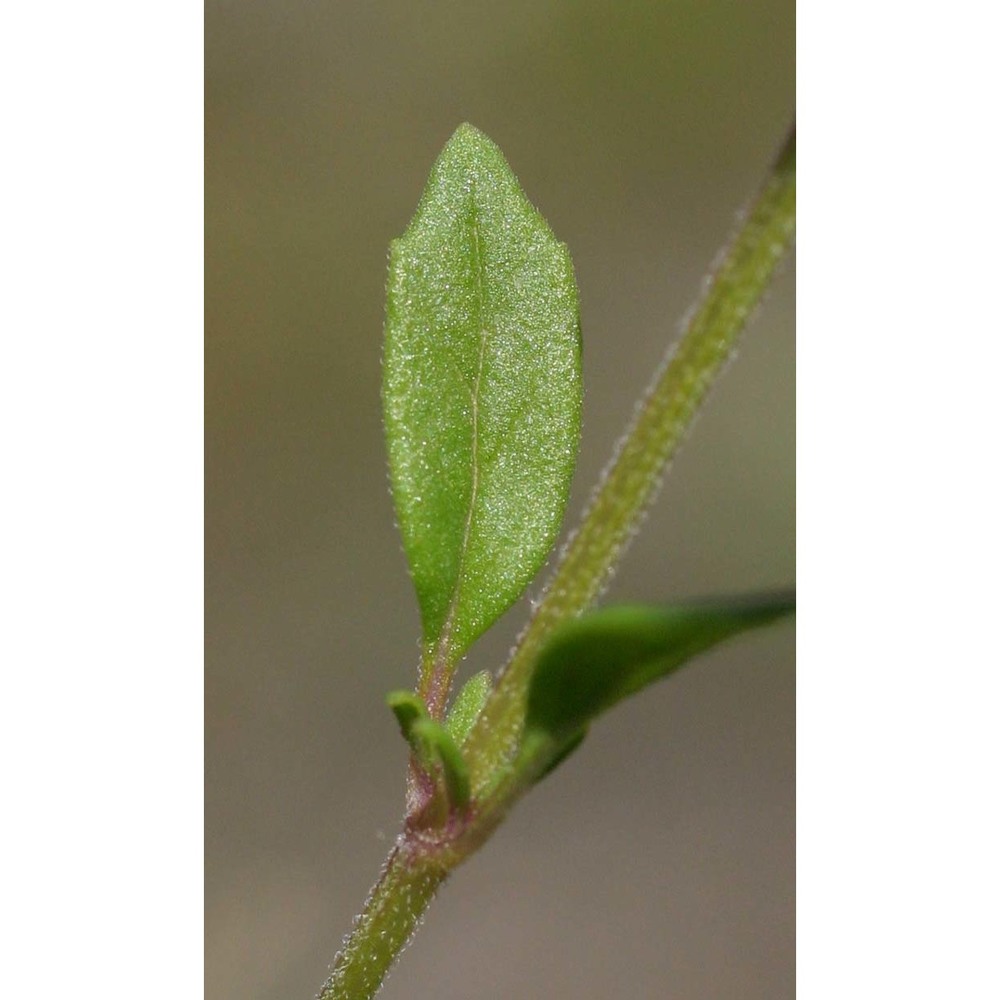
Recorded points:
471,146
467,132
408,709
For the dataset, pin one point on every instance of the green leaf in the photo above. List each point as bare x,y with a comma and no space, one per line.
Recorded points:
594,661
481,392
562,752
468,704
436,746
407,708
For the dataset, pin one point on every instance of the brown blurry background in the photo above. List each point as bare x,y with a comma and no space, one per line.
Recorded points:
659,861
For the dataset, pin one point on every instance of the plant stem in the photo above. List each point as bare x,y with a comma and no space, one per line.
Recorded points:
416,868
631,481
390,916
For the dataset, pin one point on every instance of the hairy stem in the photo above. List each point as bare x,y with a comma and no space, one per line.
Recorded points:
630,483
390,916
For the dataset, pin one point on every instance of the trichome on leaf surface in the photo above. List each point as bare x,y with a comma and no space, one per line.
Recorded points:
482,401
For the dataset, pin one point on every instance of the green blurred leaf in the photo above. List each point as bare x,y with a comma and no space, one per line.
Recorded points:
468,704
594,661
564,750
481,391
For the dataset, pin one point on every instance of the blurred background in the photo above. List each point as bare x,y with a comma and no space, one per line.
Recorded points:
659,861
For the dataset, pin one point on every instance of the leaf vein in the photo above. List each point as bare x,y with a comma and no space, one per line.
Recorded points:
474,393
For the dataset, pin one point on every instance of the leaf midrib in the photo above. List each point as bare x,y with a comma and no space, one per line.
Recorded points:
441,649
